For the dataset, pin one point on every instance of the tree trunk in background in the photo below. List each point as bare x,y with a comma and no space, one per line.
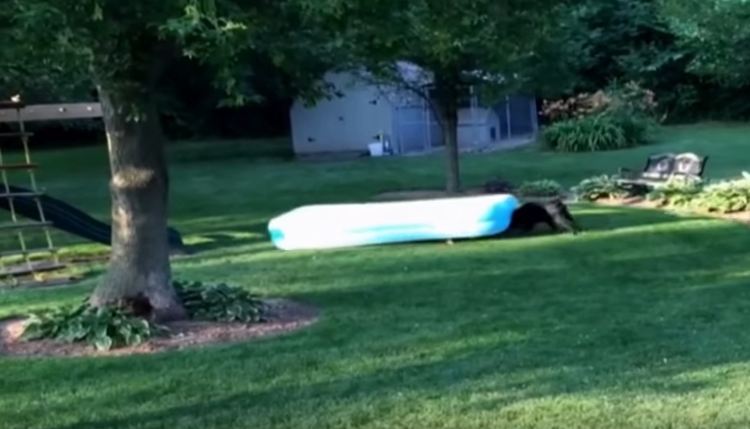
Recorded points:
449,125
139,271
446,100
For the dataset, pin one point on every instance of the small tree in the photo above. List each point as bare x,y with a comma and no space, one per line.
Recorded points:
123,46
481,43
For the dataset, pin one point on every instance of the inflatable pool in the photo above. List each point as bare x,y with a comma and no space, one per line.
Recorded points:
349,225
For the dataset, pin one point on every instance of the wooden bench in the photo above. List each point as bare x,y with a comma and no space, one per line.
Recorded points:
662,168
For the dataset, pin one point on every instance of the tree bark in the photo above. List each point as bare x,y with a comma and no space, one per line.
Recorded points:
449,126
139,270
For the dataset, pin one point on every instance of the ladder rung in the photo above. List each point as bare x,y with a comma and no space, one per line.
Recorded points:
36,267
19,134
27,252
20,194
12,105
24,225
31,284
18,166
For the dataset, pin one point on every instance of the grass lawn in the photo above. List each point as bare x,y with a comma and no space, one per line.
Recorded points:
642,322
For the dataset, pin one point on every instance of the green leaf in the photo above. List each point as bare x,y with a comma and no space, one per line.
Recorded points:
98,12
102,342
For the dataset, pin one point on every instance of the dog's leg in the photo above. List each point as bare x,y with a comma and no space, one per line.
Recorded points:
574,227
550,221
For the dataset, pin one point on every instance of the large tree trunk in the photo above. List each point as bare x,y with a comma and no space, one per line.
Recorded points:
139,272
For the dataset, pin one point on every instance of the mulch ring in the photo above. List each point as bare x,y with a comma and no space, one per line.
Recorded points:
282,316
640,202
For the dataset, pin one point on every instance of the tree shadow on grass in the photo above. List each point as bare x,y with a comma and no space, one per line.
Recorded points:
220,241
646,355
227,233
500,324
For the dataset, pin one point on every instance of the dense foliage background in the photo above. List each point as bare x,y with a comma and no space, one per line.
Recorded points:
662,45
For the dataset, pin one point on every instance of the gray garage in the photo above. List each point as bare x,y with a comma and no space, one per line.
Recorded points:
350,121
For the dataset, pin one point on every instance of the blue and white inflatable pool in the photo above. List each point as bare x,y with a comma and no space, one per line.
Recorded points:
349,225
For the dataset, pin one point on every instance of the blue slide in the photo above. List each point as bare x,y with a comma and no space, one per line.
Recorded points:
65,217
349,225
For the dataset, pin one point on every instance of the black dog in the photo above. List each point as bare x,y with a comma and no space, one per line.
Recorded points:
554,214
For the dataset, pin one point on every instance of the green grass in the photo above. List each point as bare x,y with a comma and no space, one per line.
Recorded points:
639,323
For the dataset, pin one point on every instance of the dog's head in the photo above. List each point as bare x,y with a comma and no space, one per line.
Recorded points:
559,211
556,206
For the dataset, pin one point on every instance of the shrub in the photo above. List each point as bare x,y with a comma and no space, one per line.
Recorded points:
498,186
636,128
589,134
630,98
112,327
725,197
103,328
677,193
599,188
541,188
578,106
619,117
607,131
220,302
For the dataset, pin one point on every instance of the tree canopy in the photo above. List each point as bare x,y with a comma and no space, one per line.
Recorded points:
718,33
124,49
480,43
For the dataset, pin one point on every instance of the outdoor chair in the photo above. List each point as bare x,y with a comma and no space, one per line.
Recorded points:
662,168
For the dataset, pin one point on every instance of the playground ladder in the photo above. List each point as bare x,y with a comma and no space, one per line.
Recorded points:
30,269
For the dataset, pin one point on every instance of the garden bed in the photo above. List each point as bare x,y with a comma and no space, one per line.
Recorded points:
641,202
282,316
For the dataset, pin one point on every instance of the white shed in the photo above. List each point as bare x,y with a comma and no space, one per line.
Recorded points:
345,123
362,111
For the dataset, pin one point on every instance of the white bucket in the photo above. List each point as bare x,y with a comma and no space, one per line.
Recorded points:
376,149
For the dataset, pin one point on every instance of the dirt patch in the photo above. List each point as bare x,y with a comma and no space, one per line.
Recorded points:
629,202
743,217
282,316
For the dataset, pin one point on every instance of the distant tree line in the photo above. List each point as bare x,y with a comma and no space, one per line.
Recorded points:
593,43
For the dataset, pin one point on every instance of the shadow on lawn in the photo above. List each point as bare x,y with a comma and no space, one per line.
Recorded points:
220,241
581,333
228,233
508,324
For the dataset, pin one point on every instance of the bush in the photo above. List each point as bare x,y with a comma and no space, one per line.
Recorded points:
599,188
589,134
635,127
219,303
541,188
630,98
112,327
617,118
607,131
498,186
725,197
103,328
677,193
579,106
